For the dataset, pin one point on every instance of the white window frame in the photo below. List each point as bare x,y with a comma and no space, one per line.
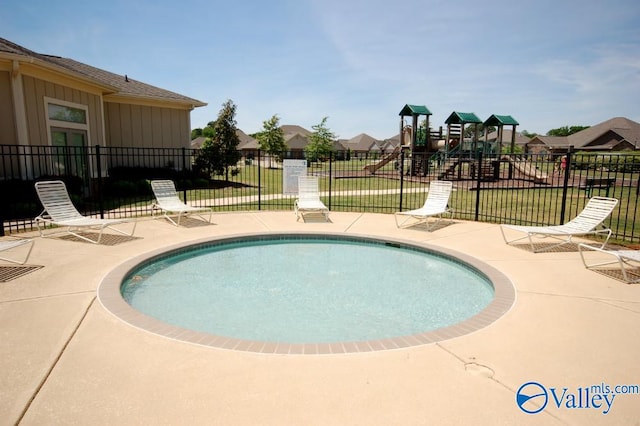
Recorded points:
51,124
65,124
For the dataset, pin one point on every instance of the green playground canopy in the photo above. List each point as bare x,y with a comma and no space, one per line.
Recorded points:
462,118
500,120
415,110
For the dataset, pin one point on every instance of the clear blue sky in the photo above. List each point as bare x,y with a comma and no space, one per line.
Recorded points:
546,63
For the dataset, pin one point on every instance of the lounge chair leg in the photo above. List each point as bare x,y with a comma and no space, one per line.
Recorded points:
24,259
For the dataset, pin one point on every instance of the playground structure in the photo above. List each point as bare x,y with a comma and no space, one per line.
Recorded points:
452,156
373,167
526,168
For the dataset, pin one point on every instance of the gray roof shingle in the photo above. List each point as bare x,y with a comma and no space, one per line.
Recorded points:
628,129
117,84
362,142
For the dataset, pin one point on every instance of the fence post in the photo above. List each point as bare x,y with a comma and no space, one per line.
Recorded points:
100,192
565,184
4,205
401,170
259,181
184,167
330,168
476,214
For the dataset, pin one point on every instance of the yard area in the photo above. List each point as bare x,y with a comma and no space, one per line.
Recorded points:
505,196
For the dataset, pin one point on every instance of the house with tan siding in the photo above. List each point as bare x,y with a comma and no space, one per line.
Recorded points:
51,101
615,134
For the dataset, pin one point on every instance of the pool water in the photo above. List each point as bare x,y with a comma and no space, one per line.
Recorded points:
307,290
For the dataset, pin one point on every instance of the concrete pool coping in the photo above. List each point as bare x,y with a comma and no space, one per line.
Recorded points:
67,360
109,295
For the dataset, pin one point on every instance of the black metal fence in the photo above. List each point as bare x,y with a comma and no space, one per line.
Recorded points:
523,189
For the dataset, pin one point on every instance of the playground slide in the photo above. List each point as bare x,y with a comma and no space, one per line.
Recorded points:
371,168
528,169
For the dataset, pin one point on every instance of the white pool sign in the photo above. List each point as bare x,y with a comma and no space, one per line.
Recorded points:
291,170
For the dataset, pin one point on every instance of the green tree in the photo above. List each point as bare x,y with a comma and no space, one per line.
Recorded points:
517,149
209,159
196,133
470,130
271,138
209,131
219,153
320,144
566,130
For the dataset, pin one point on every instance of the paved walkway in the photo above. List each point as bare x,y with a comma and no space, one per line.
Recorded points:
66,360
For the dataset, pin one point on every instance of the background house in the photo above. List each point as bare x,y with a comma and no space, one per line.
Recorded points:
362,146
615,134
58,102
296,138
520,139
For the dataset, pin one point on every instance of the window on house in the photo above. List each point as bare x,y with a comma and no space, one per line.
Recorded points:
66,113
69,137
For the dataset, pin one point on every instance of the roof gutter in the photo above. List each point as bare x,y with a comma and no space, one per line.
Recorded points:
152,100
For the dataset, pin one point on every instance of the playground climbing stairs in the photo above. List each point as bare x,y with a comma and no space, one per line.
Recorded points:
448,168
452,168
419,166
487,171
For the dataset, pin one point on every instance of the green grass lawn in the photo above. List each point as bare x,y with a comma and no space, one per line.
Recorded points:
527,205
535,205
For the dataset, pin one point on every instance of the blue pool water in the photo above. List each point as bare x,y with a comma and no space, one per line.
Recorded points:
307,290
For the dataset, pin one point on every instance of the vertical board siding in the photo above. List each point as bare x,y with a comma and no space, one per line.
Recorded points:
8,135
142,126
147,126
31,109
35,91
136,126
156,129
112,124
126,125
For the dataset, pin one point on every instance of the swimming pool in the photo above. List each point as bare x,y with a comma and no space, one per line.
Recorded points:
306,293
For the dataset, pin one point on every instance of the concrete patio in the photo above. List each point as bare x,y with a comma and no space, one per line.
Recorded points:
66,360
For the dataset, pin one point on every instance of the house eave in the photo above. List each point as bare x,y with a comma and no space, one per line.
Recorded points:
30,65
124,98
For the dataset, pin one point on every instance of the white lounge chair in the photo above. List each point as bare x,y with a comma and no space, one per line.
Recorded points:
7,245
436,205
308,200
168,201
624,259
60,211
588,222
